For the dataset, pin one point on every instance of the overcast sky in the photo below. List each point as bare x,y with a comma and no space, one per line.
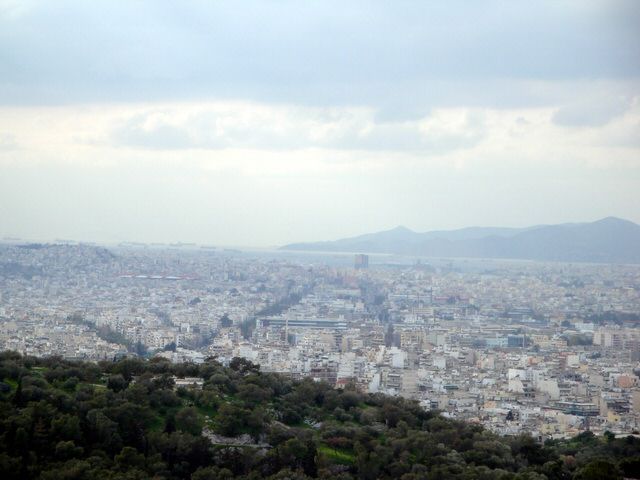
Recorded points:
263,123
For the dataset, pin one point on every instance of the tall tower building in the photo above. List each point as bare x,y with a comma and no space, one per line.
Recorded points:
361,261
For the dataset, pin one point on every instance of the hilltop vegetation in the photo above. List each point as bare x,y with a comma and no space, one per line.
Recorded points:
127,420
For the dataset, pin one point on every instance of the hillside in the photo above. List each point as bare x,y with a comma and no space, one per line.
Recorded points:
127,420
610,240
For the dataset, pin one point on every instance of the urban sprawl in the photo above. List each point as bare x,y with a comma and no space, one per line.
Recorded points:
547,348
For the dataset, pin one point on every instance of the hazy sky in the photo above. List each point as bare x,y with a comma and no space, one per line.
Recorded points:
262,123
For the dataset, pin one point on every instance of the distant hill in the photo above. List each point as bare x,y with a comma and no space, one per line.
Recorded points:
610,240
44,259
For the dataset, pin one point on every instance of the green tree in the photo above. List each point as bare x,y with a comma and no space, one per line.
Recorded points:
599,470
117,383
188,420
67,450
229,420
212,473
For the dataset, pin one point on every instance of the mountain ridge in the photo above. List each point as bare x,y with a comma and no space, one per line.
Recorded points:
608,240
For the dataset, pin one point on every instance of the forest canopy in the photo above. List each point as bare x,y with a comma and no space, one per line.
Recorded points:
143,419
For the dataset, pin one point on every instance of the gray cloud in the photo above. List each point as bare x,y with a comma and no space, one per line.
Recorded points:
592,112
293,129
348,108
404,57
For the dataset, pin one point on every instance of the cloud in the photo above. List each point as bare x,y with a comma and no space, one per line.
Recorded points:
401,58
251,126
315,115
439,133
7,142
137,132
592,112
13,9
251,173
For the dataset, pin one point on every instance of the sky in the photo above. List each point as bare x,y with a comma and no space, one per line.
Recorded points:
264,123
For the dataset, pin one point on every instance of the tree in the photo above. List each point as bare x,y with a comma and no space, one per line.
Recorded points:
18,398
212,473
288,474
10,467
129,458
257,421
116,433
67,450
388,336
117,383
349,400
188,420
252,395
140,349
129,367
229,420
599,470
170,424
243,366
66,427
103,431
337,443
631,467
225,321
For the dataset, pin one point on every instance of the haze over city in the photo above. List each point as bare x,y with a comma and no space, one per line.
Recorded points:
266,123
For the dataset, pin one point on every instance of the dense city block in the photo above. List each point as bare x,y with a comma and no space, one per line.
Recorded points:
547,349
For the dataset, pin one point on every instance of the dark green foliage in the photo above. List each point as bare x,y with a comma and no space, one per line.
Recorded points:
117,383
125,420
188,420
578,339
225,321
212,473
599,470
631,467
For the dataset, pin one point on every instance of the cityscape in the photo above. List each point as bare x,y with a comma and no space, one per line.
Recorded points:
516,346
327,240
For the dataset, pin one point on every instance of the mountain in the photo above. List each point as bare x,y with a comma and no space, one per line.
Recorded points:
610,240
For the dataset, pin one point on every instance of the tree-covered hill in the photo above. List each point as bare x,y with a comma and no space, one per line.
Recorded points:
127,420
